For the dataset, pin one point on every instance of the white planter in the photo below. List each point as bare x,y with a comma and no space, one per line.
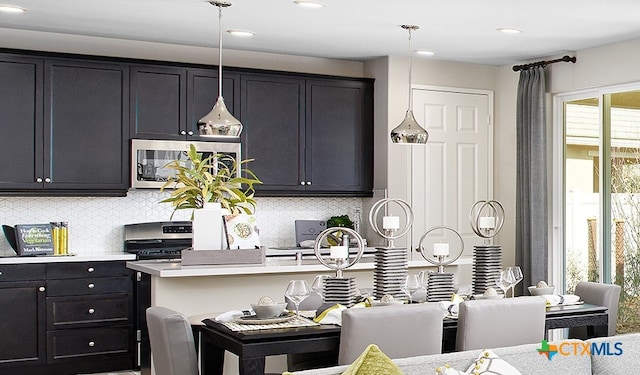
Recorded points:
207,227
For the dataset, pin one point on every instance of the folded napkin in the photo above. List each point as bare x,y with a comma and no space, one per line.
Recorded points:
450,308
561,299
333,313
228,316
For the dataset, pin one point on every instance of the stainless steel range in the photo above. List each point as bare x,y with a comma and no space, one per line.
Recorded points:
160,240
157,240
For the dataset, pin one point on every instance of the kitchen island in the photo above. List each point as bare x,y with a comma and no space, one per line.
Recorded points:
210,290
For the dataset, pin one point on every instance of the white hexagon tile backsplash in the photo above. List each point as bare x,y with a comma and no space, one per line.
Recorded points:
96,223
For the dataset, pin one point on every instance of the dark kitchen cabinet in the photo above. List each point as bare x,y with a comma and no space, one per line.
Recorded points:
339,136
167,102
21,121
63,126
86,143
308,136
66,318
158,102
274,135
22,316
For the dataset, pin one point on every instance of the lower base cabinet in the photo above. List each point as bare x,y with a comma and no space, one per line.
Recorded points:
66,318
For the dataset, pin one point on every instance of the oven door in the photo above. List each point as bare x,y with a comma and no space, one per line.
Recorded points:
149,159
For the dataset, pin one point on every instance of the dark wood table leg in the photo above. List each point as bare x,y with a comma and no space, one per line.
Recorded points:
251,366
211,357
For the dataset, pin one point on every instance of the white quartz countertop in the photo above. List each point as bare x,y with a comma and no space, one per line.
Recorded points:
65,258
164,268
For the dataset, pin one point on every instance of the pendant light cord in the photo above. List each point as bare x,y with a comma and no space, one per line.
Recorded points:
410,69
219,50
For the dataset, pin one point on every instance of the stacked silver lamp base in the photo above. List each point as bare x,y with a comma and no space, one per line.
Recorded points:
391,267
340,290
487,265
439,287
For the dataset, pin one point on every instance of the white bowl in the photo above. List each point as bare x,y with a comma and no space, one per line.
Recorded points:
482,296
535,291
268,311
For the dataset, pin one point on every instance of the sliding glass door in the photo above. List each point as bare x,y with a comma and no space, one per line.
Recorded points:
600,210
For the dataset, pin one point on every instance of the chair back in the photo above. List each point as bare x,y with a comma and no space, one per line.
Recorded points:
398,330
598,294
172,345
492,323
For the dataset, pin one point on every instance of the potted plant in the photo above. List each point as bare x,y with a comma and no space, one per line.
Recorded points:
216,178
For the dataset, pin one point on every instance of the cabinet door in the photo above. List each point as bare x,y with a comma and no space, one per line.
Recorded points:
87,125
158,102
20,122
202,93
22,318
273,135
339,131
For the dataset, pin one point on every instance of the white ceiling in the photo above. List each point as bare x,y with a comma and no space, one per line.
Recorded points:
456,30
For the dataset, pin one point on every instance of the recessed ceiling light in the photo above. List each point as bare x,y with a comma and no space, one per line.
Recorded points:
508,30
12,9
241,33
309,3
424,52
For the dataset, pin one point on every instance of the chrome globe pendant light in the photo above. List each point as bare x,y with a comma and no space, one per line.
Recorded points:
409,131
219,122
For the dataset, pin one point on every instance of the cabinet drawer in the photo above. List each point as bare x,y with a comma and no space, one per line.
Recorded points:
74,270
66,311
22,272
91,286
73,343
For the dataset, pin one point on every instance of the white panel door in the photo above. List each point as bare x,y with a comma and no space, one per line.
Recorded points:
454,169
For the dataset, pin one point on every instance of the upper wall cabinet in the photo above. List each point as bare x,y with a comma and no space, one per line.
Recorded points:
21,124
167,102
158,102
63,126
308,136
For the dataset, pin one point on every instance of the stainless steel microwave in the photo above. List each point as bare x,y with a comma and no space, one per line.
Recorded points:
149,159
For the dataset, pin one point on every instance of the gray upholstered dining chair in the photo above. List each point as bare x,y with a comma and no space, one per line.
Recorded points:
398,330
491,323
172,346
598,294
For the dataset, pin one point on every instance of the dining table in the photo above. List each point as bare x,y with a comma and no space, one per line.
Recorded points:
253,346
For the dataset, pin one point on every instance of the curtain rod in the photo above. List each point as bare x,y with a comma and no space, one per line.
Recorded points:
565,58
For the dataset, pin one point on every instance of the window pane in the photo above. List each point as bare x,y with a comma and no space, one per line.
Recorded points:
582,139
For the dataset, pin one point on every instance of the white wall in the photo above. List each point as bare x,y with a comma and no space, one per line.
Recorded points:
425,72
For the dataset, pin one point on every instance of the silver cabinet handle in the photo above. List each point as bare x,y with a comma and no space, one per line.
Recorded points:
182,132
190,132
39,179
92,344
91,286
0,273
301,182
42,289
47,180
91,311
90,269
308,182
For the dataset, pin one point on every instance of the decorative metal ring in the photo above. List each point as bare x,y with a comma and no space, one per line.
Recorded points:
474,217
375,209
451,259
324,234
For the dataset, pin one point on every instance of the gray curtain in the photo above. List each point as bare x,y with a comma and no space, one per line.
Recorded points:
531,179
